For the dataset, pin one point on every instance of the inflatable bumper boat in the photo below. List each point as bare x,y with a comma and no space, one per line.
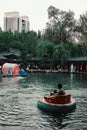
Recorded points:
57,104
23,73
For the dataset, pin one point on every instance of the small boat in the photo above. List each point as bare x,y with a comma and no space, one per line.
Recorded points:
23,73
57,104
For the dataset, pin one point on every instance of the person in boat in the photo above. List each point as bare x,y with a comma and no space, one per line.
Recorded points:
60,89
54,93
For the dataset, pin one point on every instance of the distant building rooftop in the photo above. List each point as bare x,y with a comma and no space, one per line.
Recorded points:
78,59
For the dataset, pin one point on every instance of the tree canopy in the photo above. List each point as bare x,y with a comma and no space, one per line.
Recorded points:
63,37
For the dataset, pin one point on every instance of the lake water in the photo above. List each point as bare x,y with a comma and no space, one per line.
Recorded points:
19,97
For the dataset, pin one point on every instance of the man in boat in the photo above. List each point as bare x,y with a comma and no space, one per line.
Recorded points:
60,89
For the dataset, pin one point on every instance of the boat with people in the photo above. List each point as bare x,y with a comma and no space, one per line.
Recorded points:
57,104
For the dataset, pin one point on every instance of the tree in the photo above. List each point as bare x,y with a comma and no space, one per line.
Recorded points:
79,50
5,39
45,49
60,54
82,29
60,27
31,42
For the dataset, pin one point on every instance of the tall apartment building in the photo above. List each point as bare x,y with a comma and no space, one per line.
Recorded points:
14,22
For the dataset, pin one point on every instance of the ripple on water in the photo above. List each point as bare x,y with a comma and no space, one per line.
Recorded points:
18,103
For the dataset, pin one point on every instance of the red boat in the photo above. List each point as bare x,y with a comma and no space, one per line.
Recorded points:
57,104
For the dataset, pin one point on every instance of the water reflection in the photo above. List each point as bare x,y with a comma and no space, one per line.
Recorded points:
55,122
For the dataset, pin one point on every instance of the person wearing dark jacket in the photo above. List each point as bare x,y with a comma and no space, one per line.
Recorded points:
60,89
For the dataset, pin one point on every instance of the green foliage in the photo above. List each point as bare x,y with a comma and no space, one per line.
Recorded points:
31,42
5,39
81,28
57,43
60,26
79,50
61,54
45,49
15,44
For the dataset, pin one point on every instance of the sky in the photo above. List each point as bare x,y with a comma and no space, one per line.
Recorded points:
36,10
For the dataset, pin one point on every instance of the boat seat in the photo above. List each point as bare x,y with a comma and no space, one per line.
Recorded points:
60,99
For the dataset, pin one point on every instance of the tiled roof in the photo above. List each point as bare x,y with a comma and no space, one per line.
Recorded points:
73,59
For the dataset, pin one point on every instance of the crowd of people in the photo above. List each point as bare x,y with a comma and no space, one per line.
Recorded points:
37,68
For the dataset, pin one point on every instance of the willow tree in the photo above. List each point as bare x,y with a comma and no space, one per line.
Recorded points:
82,29
45,50
60,27
60,54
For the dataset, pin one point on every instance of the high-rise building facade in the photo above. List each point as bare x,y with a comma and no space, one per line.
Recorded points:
14,22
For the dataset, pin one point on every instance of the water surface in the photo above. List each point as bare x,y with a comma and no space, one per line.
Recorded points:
19,97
